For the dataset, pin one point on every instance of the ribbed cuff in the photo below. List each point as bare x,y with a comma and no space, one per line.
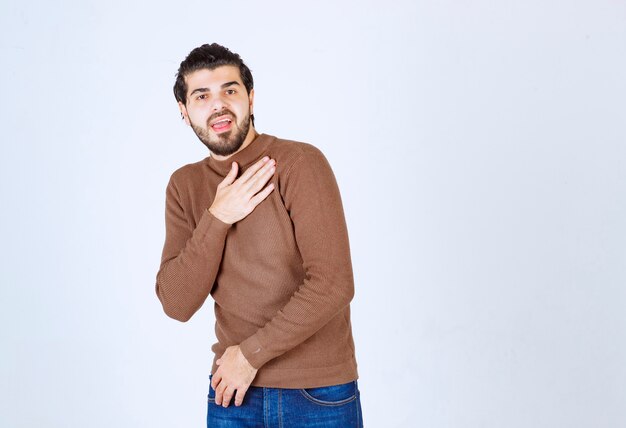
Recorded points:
208,221
254,352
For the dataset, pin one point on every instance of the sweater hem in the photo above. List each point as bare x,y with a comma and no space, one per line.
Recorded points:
307,377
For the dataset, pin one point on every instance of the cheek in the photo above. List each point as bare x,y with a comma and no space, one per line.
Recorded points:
242,111
197,117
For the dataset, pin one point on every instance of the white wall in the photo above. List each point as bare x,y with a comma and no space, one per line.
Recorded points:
479,148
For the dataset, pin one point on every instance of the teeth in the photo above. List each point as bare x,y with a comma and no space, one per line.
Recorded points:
222,121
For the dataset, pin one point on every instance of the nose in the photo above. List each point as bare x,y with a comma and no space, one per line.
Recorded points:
219,103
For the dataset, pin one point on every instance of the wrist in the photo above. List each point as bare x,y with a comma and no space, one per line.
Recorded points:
218,216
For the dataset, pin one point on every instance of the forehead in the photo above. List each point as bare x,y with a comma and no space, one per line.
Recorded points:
205,78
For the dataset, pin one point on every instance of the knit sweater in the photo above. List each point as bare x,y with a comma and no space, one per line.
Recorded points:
281,278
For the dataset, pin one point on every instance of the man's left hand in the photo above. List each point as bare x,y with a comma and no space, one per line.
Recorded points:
234,373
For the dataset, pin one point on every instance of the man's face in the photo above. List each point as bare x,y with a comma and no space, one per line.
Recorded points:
218,108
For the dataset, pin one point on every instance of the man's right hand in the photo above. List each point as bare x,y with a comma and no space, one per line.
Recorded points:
235,199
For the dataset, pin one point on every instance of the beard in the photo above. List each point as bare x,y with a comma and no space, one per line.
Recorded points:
225,143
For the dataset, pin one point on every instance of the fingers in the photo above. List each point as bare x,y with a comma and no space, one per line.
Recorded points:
256,200
219,393
239,397
254,184
216,380
227,396
224,393
233,200
230,177
253,169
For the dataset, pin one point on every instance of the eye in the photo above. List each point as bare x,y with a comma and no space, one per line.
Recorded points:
201,97
231,91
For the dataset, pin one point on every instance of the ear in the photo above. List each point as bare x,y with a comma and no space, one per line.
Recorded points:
251,98
183,112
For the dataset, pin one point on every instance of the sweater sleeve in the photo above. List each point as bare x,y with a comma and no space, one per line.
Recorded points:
190,259
312,198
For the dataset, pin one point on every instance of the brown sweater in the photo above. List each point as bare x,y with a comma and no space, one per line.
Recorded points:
281,278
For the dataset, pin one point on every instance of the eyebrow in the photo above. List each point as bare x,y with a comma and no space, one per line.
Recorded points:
224,85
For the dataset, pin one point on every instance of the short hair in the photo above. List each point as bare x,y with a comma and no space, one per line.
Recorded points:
209,57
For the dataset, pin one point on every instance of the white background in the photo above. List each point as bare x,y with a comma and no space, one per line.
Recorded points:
480,150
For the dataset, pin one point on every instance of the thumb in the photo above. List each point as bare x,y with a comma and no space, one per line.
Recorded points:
232,174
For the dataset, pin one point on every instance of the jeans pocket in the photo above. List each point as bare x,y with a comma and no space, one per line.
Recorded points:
211,395
334,395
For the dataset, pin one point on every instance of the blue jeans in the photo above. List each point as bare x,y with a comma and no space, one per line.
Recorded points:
262,407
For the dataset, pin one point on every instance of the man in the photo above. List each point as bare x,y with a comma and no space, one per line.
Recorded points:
259,225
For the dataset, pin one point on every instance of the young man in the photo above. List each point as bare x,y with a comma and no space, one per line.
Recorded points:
259,225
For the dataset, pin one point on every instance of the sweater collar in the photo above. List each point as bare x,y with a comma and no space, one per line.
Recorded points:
244,158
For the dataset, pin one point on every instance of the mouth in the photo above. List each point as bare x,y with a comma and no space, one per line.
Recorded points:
222,124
